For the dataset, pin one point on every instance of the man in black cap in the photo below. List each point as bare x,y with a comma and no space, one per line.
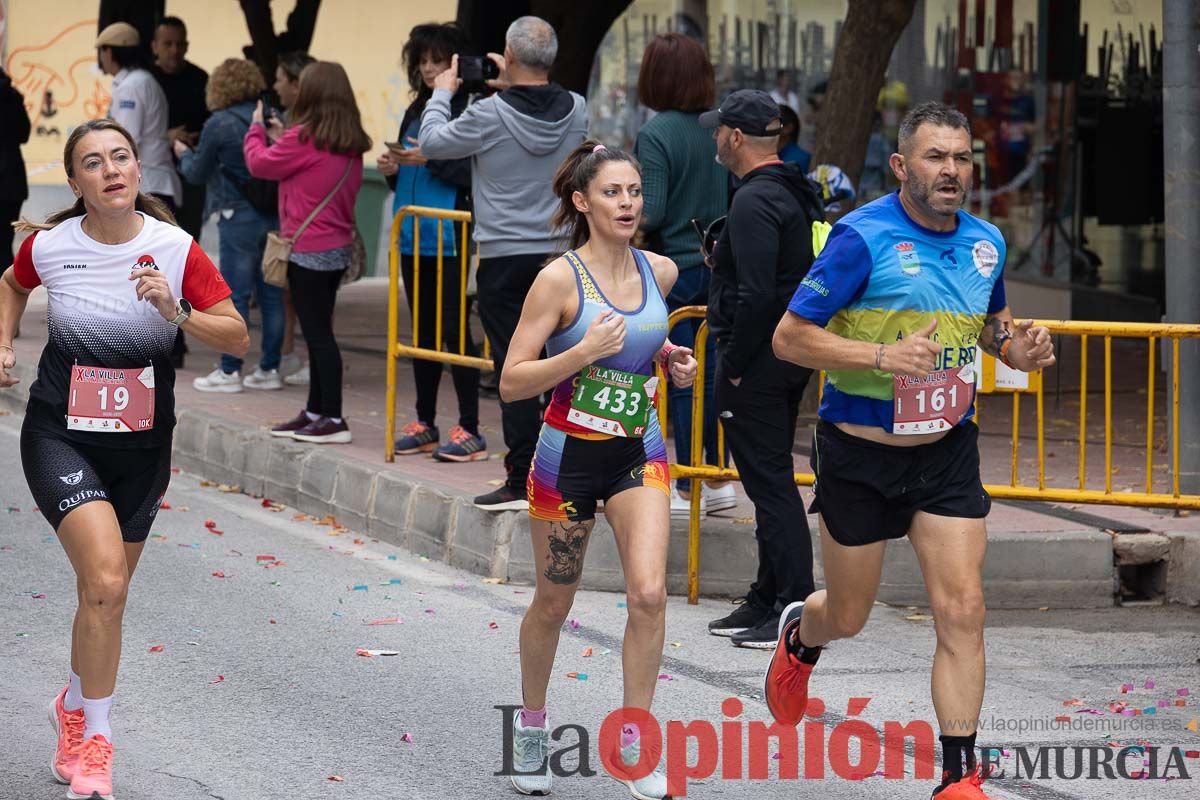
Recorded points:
762,255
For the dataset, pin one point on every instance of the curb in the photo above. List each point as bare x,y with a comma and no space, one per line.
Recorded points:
1072,569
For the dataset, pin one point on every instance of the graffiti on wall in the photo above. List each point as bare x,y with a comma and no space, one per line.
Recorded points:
62,87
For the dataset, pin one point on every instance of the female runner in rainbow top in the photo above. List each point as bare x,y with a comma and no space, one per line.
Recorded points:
598,311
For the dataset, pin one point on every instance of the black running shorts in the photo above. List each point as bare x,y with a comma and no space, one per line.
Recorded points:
64,475
867,492
569,474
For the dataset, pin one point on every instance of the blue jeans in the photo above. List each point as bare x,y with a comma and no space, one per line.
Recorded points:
691,288
243,237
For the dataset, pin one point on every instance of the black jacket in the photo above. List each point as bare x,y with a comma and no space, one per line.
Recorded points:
762,255
454,171
14,132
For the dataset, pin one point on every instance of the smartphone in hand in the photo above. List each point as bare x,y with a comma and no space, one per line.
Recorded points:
264,97
475,71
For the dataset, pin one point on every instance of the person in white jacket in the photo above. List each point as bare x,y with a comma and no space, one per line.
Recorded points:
140,106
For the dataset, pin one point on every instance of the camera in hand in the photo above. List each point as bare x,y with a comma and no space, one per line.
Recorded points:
475,70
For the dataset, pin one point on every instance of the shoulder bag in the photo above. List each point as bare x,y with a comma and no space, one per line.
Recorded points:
279,247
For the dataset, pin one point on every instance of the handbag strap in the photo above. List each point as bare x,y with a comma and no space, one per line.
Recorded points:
321,206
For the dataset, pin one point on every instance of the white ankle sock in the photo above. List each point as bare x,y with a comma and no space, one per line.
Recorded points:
73,700
95,717
311,416
336,420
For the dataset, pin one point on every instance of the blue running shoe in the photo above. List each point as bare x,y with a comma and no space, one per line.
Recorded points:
418,438
463,446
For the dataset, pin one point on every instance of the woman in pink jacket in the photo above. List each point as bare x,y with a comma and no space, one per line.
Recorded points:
324,142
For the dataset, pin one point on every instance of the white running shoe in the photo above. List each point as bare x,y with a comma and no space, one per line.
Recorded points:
682,509
651,787
298,378
264,379
218,381
531,752
721,499
289,364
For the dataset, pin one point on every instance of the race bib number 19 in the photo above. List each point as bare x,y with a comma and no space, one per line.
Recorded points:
932,403
613,402
104,400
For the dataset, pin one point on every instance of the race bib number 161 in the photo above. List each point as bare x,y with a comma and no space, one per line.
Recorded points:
932,403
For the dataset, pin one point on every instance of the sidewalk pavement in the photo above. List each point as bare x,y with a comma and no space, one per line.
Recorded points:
1039,554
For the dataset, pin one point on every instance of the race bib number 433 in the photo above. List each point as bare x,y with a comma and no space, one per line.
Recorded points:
104,400
611,401
932,403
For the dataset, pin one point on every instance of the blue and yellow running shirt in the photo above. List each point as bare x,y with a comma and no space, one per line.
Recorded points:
880,277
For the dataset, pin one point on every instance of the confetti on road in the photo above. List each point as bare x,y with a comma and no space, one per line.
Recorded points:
574,623
579,676
587,652
365,653
220,679
406,737
664,676
1183,692
621,604
218,574
211,524
387,621
158,648
494,625
336,779
359,587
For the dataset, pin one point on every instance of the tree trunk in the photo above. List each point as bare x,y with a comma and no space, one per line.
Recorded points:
580,28
266,45
871,30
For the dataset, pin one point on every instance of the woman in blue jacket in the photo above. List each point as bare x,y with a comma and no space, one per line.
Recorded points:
217,161
435,184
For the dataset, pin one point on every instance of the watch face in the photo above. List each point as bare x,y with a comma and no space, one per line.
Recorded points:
185,306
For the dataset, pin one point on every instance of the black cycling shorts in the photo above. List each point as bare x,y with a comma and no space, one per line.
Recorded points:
569,474
64,475
867,492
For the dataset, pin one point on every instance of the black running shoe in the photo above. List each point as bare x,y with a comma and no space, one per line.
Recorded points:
505,498
745,616
762,636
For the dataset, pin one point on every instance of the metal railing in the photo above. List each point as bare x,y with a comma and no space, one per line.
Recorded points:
1015,490
396,349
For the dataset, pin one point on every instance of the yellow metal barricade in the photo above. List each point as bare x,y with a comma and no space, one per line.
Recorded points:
395,348
1014,490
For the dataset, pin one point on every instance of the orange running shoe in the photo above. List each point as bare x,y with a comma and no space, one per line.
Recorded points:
68,728
93,775
786,682
966,789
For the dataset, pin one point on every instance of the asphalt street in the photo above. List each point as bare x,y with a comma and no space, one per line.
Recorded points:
241,677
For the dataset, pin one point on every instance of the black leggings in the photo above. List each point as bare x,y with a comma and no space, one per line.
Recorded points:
314,293
428,374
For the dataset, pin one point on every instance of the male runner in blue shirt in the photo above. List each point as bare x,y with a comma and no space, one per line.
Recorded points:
906,289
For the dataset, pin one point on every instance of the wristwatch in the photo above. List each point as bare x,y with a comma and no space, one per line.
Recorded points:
183,310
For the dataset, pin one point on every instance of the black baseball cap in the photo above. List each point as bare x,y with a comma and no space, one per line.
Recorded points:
749,110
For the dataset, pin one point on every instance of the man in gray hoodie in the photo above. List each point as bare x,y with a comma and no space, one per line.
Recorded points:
515,139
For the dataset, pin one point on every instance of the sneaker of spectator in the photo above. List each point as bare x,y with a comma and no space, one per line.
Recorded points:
218,381
266,379
298,378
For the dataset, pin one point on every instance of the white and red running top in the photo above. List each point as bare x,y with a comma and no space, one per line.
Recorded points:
96,319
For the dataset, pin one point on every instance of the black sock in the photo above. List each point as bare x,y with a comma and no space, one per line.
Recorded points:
806,654
958,757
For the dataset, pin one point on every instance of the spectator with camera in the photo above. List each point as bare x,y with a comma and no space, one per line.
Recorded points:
417,180
219,163
515,139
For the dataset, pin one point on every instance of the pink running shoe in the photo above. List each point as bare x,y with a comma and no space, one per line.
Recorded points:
93,775
68,727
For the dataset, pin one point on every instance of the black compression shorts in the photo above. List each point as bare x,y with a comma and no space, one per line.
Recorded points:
64,475
867,492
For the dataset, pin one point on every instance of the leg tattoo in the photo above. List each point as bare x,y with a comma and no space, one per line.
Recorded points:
567,542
